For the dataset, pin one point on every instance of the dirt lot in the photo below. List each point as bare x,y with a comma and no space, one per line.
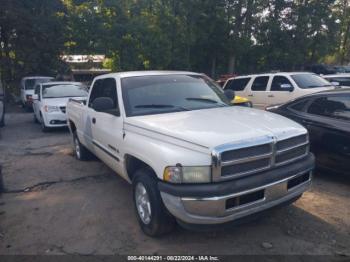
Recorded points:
55,204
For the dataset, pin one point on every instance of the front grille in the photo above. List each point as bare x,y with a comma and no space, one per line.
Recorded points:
230,163
245,167
291,154
63,109
291,142
246,152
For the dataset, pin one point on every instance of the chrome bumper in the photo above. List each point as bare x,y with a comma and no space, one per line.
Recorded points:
214,210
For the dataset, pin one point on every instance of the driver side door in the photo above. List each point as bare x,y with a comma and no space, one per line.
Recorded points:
106,127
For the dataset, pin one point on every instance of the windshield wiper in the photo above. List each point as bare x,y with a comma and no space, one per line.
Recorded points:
200,99
314,86
206,100
160,106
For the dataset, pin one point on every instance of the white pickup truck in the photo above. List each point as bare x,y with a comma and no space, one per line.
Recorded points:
190,156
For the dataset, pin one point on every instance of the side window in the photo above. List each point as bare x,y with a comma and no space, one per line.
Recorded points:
104,88
335,107
279,83
299,106
260,83
237,84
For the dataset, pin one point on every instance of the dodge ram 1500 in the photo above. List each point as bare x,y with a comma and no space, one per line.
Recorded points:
190,156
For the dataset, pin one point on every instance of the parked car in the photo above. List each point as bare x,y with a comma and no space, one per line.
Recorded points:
326,115
27,88
342,80
276,88
2,105
50,100
190,155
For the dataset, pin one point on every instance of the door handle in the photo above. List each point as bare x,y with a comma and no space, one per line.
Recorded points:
271,96
250,95
93,120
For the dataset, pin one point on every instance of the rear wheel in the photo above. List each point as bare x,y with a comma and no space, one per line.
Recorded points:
80,151
152,215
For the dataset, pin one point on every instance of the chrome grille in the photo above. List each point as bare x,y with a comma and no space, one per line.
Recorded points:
233,161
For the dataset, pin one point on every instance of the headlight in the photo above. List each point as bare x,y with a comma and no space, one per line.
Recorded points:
187,174
51,109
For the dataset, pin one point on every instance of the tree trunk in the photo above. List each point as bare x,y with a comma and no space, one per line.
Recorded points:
232,64
213,68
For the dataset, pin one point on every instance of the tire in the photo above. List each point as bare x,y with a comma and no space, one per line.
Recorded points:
80,151
2,120
35,119
44,128
147,200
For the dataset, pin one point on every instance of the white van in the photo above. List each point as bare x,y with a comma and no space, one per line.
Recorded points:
276,88
27,88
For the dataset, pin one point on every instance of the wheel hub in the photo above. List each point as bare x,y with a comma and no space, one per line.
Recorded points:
143,204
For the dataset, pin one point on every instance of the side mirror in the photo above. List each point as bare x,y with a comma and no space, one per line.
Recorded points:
106,105
287,87
335,83
35,97
230,94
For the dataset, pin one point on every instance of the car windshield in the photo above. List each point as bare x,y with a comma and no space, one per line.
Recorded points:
146,95
56,91
31,83
310,81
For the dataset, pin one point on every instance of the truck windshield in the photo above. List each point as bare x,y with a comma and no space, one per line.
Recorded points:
147,95
57,91
310,81
31,83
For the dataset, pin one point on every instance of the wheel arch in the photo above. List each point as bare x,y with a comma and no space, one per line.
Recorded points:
133,163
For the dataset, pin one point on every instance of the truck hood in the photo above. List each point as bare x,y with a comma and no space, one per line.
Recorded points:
61,101
214,127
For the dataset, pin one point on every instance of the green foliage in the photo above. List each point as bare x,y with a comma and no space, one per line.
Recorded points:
213,37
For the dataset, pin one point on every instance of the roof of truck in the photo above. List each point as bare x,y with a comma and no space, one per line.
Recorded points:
146,73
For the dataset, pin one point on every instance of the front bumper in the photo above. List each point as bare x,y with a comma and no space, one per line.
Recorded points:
55,119
231,200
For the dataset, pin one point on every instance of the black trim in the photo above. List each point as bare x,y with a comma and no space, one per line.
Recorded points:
241,184
106,151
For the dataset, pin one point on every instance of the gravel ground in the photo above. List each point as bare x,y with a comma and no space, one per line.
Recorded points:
55,204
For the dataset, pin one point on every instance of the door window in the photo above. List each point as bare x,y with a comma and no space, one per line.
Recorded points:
278,83
260,83
104,88
334,107
237,84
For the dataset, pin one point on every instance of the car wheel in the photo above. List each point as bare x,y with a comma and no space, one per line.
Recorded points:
152,215
44,128
2,121
80,151
35,119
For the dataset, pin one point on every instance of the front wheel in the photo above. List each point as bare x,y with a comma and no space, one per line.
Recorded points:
152,215
44,128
